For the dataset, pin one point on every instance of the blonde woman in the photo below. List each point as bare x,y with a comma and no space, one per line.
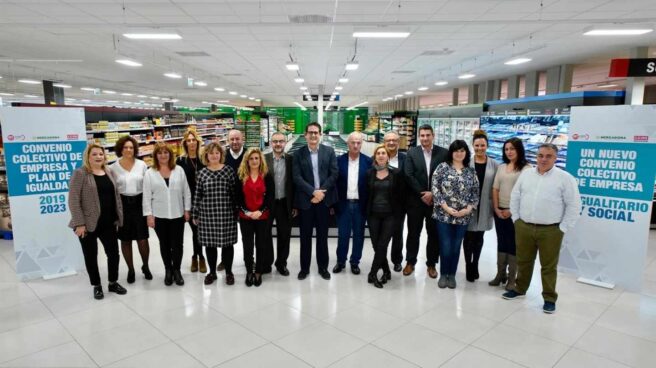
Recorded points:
166,203
254,199
96,212
191,163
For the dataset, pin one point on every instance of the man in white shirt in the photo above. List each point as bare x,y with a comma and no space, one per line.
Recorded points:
545,203
397,160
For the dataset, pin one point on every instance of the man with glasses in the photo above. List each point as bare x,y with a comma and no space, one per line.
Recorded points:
315,174
280,168
397,160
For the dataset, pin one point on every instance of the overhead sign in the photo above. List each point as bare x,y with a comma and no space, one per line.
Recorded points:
632,68
316,98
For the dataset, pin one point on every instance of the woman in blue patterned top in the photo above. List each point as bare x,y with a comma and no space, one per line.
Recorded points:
455,196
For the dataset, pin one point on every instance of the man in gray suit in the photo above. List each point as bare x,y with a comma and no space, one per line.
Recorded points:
315,174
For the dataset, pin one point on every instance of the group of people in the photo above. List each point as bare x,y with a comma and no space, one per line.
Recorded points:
458,197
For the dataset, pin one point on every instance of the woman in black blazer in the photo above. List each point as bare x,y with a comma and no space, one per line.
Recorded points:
385,183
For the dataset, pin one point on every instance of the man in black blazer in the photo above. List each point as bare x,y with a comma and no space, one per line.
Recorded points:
280,169
419,166
315,174
397,160
234,156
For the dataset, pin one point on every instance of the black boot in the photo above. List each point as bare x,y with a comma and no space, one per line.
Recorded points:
372,279
146,272
168,278
177,276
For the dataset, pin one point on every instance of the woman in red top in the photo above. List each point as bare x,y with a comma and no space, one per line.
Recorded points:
254,198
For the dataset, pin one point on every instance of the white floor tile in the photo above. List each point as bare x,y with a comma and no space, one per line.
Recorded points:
321,305
473,357
182,321
576,358
372,357
452,322
106,315
167,355
265,357
238,299
275,321
632,314
551,326
15,293
364,322
66,355
158,300
619,347
23,314
31,339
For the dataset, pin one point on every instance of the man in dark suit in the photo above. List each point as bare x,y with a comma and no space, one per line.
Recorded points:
419,166
397,160
352,203
280,169
315,173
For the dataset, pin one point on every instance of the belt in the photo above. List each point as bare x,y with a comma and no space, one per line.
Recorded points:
541,225
133,199
353,200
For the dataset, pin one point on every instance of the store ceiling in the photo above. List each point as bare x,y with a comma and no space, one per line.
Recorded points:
248,42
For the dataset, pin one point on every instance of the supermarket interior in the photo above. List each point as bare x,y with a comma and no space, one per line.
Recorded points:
578,74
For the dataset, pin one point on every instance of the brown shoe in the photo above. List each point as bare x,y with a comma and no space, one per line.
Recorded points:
408,270
230,279
209,279
432,272
194,264
202,266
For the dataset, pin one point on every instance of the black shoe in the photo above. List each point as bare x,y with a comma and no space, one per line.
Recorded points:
257,280
324,274
475,273
355,269
283,270
249,279
117,288
98,293
177,277
372,279
130,276
469,273
397,267
266,271
146,272
168,278
302,275
386,277
338,268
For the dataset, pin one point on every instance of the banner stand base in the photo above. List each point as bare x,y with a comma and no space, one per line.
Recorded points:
59,275
600,284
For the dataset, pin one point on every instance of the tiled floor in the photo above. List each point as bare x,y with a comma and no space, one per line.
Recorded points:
344,322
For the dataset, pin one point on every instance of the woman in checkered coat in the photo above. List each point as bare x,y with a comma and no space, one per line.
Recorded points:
215,211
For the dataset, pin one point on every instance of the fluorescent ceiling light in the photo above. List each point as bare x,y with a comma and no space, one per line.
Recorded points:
422,89
339,88
173,75
606,85
223,101
219,89
299,80
302,88
153,36
335,93
243,96
258,99
31,96
408,92
301,106
60,85
617,32
200,84
233,93
397,96
441,83
129,62
466,76
85,100
358,105
127,94
154,98
343,80
88,89
352,65
6,94
518,61
205,102
251,98
142,96
108,92
381,34
29,81
292,66
175,100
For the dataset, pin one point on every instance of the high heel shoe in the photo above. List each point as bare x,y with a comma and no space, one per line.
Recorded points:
372,279
257,280
146,272
131,276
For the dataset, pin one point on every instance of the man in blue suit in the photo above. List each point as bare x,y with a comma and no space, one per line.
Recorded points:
352,203
315,174
397,160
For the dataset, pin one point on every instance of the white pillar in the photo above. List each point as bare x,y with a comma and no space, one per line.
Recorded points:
320,111
635,86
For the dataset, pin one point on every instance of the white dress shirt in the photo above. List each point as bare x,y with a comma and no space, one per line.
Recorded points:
427,157
164,201
549,198
394,161
129,183
353,175
236,155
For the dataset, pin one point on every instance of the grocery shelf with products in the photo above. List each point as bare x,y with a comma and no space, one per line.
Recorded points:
451,123
403,122
251,125
5,212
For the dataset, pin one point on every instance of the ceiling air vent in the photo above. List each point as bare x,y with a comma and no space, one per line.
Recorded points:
192,53
403,72
444,51
310,19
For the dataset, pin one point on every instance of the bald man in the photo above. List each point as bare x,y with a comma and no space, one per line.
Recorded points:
236,149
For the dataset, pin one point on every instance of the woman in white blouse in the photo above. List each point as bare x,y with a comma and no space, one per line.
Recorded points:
166,203
129,173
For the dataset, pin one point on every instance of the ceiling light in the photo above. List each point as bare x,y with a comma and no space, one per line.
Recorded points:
206,103
233,93
60,85
175,100
299,80
85,100
518,61
302,88
353,65
251,98
343,80
200,84
129,62
88,89
243,96
219,89
258,99
154,98
29,81
466,76
617,32
606,85
292,66
339,88
108,92
301,106
441,83
173,75
397,96
142,96
6,94
408,92
223,101
381,34
153,36
31,96
127,94
422,89
358,105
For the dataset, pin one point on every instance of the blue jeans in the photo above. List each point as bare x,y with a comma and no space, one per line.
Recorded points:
350,219
450,237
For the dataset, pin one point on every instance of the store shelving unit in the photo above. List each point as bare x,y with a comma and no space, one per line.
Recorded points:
451,123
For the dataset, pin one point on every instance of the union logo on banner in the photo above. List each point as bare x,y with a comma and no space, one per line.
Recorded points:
577,136
641,138
72,136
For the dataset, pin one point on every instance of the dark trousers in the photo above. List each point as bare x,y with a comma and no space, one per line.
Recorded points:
381,229
416,218
450,239
315,217
472,246
280,214
227,256
505,235
253,238
170,233
198,249
350,220
397,239
109,240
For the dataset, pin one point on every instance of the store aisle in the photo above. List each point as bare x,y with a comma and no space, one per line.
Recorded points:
344,322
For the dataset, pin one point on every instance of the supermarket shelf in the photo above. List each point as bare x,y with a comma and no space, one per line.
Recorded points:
117,130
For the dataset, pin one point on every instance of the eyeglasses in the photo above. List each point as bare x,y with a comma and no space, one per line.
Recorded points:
276,142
